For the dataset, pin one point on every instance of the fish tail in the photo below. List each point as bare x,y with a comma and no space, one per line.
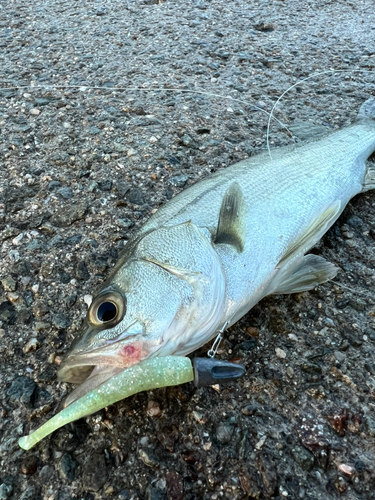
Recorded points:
367,114
367,110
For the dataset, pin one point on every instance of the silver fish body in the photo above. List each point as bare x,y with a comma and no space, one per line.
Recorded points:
211,253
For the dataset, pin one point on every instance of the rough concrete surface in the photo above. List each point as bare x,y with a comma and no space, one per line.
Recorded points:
82,169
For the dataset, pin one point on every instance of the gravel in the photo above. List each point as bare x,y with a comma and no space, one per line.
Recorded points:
82,169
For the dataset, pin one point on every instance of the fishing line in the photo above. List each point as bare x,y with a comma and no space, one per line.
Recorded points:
300,82
82,88
271,115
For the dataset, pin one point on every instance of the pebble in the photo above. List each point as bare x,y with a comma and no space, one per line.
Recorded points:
224,433
40,326
6,491
60,321
290,372
29,465
9,284
252,331
31,345
178,180
35,111
21,389
67,467
280,353
131,152
340,356
87,299
81,271
304,458
135,196
126,223
53,185
153,409
175,486
65,192
94,472
17,240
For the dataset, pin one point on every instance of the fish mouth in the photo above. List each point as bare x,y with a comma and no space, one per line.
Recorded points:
93,368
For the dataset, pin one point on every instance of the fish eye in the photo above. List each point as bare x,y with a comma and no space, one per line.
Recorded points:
107,311
108,308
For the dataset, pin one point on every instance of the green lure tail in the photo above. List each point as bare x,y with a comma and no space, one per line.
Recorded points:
149,374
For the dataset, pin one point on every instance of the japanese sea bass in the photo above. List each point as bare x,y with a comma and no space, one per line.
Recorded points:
211,253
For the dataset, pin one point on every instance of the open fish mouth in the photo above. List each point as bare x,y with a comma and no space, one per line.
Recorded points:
91,369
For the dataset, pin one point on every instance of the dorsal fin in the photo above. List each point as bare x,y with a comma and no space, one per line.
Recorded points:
230,228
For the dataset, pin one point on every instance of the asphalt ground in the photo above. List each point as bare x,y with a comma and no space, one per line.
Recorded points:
82,168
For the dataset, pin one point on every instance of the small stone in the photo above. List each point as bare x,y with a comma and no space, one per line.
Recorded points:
355,222
40,309
68,214
31,345
46,269
21,389
13,297
280,353
126,223
175,486
198,417
135,196
45,473
29,465
42,325
131,152
153,409
153,139
252,331
339,421
224,433
293,337
67,466
94,472
6,491
290,372
17,240
53,185
87,299
304,458
178,180
340,484
9,284
105,185
34,111
346,469
309,367
65,192
148,458
188,142
81,271
340,356
60,321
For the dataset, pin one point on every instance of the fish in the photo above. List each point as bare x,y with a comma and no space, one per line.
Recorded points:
206,257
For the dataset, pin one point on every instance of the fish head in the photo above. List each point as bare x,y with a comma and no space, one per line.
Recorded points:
164,297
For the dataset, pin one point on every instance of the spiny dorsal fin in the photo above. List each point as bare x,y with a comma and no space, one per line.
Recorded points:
230,228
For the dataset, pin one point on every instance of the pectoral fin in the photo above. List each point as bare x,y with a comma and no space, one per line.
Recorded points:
230,229
309,273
